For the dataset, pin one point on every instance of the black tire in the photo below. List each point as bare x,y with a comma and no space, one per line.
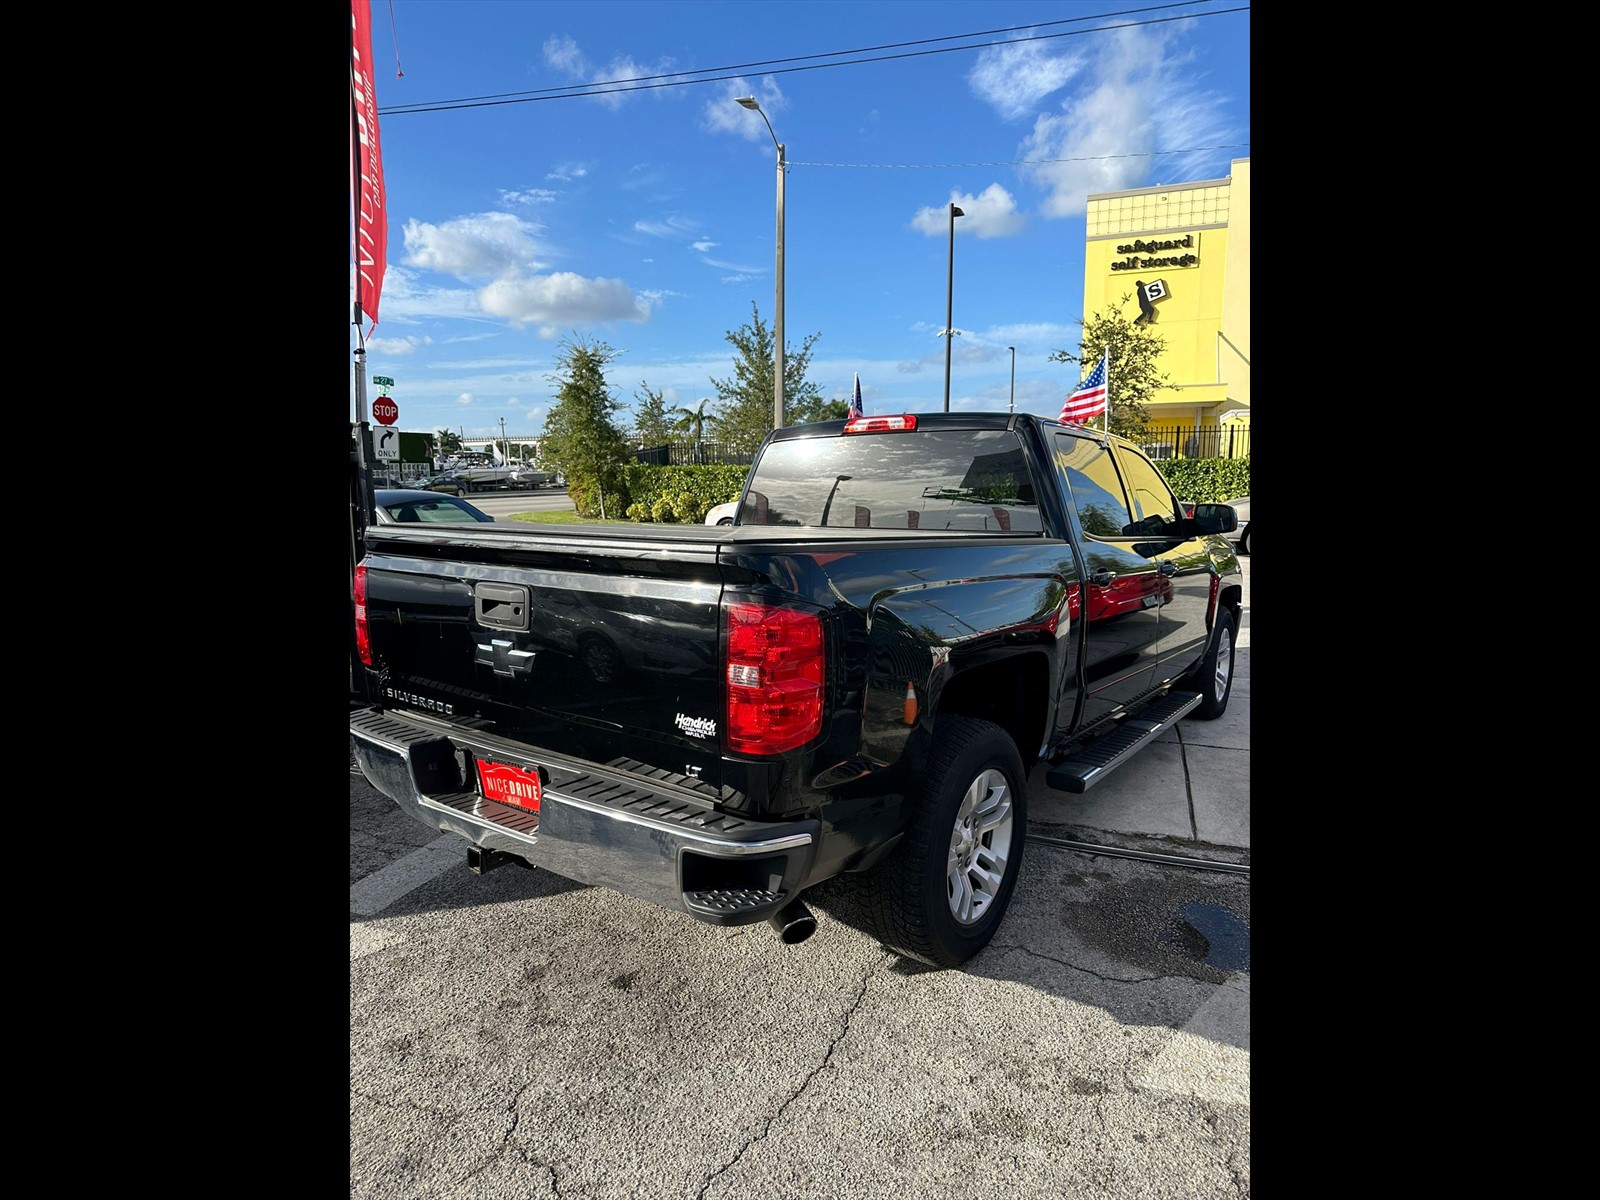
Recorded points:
1213,678
915,895
725,521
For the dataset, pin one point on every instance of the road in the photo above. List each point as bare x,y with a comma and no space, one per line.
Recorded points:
501,504
516,1034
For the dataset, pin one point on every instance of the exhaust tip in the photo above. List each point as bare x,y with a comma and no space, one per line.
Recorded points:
793,922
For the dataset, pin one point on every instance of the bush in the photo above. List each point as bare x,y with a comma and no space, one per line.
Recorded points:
683,494
585,496
1206,480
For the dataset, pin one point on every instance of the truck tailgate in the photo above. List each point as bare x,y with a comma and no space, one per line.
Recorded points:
598,643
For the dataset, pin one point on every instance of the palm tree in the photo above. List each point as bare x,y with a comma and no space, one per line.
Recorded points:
693,419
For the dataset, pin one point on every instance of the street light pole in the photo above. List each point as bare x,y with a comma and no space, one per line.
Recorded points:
949,304
1013,350
777,355
828,503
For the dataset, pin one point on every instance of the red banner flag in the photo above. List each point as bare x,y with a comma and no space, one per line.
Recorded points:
370,235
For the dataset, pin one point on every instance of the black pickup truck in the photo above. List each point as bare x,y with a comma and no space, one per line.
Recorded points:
910,614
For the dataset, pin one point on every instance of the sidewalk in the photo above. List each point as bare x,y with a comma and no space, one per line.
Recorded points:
1187,794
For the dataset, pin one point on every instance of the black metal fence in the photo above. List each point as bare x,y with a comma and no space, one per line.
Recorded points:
686,454
1225,441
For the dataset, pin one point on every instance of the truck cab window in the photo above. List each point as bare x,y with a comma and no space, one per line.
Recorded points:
1096,489
1155,507
936,480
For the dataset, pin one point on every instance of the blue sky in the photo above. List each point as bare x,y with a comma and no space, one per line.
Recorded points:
644,216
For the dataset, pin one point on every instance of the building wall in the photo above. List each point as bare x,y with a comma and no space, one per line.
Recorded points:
1188,246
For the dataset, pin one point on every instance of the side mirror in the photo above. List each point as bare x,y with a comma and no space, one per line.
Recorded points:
1215,518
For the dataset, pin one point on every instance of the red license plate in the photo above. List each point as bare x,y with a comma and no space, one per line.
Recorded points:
518,786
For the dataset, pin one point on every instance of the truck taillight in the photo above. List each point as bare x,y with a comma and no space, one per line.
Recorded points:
773,672
903,424
363,637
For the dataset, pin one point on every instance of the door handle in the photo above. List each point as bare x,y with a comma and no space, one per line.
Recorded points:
1102,578
1168,569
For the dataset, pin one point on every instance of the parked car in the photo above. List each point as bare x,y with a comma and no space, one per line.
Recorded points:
402,506
452,485
1241,537
723,514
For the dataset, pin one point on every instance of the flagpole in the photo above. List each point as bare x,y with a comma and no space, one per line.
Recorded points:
368,502
1105,423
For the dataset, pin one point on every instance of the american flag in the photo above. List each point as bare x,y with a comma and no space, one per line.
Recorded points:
855,401
1089,400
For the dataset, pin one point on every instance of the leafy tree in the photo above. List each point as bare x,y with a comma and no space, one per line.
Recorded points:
744,410
1134,378
650,423
447,441
816,408
580,439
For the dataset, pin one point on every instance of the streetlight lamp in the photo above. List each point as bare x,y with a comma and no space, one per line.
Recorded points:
1013,350
777,357
949,302
828,503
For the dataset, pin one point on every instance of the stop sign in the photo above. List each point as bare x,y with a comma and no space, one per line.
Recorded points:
385,411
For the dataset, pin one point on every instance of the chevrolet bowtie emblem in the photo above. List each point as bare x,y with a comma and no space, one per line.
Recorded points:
504,658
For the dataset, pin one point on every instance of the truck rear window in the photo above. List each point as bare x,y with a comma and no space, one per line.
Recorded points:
974,479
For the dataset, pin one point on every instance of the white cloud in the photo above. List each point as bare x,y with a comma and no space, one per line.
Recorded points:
672,227
1141,99
392,345
528,196
483,245
562,298
991,213
1014,79
562,54
498,247
566,172
739,267
703,246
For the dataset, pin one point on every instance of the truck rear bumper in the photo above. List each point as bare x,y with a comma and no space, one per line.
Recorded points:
596,824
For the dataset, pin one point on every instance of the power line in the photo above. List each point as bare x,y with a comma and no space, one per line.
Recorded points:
1022,162
645,83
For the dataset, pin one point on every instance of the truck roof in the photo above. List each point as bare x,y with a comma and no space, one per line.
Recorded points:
940,420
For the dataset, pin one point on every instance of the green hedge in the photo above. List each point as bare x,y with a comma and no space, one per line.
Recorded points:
685,494
680,494
1206,480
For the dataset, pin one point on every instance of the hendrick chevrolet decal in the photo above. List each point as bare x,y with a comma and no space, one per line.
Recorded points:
696,727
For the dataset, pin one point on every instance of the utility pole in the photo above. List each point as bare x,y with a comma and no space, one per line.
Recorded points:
949,303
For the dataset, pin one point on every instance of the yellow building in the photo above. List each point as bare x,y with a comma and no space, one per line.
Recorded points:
1177,258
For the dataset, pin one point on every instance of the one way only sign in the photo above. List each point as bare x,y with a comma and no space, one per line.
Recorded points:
386,444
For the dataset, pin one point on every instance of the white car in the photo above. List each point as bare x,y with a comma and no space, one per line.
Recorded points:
1241,536
723,514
